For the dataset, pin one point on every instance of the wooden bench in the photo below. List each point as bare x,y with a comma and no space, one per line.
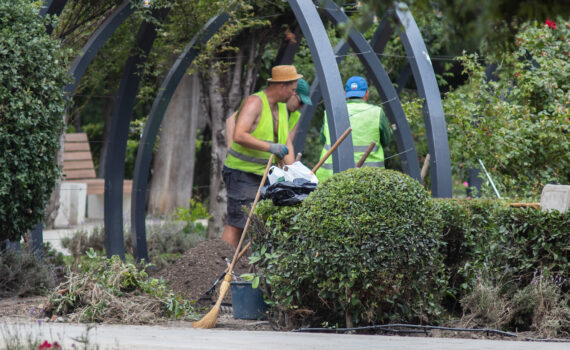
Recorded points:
78,167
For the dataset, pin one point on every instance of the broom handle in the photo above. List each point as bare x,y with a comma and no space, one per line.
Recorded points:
237,252
333,148
366,154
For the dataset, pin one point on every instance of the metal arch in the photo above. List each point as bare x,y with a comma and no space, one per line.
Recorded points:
115,159
307,113
382,34
424,76
287,52
156,115
390,100
95,42
329,76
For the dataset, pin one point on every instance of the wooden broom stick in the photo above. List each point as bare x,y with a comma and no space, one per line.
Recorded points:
209,320
366,154
336,144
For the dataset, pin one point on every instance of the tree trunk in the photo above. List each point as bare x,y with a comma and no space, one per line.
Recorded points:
173,164
217,112
222,93
53,204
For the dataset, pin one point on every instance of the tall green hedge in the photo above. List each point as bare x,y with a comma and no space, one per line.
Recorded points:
489,239
32,76
363,248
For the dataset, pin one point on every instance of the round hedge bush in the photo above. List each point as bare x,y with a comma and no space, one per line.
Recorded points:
363,248
32,76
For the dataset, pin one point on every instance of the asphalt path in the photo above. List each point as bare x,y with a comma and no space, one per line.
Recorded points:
185,337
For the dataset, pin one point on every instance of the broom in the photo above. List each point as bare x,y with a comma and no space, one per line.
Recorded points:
209,320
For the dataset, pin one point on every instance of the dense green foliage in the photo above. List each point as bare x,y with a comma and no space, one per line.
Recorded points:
508,267
486,238
518,125
32,76
363,248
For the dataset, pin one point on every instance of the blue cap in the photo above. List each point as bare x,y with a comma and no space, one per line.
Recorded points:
356,87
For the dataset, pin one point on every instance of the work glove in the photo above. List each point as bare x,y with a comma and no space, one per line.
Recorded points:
278,149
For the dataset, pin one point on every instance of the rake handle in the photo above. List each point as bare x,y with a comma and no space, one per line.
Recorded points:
333,148
223,274
366,154
257,195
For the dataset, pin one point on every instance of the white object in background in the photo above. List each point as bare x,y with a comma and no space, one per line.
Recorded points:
72,198
96,208
555,197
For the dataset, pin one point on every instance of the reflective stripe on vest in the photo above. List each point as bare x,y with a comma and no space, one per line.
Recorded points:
251,160
247,158
365,122
369,164
357,148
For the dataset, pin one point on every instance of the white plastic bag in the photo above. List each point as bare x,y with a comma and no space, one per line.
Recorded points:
291,172
299,170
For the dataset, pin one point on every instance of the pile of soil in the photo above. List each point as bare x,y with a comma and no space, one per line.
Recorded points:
197,269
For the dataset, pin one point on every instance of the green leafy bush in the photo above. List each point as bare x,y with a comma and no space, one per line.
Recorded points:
489,238
363,248
32,76
519,124
195,211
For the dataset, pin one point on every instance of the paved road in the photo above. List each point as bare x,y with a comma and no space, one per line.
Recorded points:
185,337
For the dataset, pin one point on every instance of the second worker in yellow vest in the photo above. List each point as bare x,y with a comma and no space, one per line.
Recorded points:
261,129
368,123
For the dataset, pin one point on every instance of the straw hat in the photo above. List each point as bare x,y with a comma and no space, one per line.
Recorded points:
281,74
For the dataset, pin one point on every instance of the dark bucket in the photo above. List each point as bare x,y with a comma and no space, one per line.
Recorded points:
247,302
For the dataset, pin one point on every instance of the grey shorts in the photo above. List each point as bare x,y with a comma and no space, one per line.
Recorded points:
242,188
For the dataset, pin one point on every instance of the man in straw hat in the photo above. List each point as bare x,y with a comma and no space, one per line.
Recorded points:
261,128
294,105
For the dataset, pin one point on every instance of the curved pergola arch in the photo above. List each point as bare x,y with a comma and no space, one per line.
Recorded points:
327,82
390,100
96,42
152,126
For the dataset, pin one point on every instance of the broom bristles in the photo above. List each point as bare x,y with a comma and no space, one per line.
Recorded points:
209,319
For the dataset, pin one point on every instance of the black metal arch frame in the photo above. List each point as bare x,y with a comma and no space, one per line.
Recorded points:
328,83
156,115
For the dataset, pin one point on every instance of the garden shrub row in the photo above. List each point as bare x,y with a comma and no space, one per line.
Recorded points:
369,246
489,237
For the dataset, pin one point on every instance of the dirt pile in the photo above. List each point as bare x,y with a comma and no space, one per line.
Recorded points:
197,269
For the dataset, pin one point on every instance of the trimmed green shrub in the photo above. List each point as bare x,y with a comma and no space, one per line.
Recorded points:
363,248
32,76
487,237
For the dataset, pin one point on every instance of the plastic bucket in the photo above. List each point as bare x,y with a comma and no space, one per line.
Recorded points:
247,302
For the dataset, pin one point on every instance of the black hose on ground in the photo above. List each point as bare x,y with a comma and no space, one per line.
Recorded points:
389,328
